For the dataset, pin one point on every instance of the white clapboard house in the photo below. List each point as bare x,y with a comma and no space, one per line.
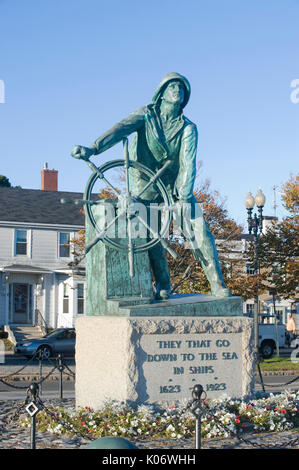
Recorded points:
37,284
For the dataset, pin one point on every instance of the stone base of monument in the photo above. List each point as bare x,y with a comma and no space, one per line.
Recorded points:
141,359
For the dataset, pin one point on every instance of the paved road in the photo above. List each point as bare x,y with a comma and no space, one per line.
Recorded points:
12,363
273,384
50,389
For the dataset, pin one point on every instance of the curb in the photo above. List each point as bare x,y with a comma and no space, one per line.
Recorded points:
36,378
277,373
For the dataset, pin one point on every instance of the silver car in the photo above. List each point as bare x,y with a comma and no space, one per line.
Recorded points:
59,341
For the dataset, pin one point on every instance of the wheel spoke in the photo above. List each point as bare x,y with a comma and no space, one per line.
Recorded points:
156,235
91,203
130,246
131,259
79,202
126,165
154,178
130,241
102,177
102,234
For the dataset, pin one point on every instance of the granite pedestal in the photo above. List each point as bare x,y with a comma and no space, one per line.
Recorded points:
157,352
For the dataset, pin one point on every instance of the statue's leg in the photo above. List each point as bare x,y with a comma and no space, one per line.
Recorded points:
159,265
204,249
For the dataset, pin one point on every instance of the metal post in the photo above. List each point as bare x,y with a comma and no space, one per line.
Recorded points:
276,326
198,432
255,225
33,432
256,297
61,369
40,357
32,409
196,411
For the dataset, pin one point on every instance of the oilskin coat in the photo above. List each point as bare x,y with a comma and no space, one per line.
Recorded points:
153,147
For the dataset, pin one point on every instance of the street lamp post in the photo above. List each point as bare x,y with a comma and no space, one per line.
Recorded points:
255,227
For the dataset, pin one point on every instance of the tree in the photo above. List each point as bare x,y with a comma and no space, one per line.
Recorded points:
278,248
290,196
4,182
186,273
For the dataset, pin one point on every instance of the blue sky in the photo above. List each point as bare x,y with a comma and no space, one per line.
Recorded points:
72,68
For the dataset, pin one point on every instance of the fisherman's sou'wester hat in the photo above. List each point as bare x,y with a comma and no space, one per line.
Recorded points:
168,78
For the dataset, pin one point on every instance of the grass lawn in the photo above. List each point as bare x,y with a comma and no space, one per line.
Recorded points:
8,345
280,363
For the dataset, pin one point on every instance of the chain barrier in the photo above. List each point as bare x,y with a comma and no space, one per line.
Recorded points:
66,425
71,373
26,386
36,355
8,418
42,407
281,385
59,365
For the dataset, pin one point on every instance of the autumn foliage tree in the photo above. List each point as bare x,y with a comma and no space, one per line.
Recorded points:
278,248
186,273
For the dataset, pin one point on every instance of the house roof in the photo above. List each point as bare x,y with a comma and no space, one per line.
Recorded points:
22,268
39,206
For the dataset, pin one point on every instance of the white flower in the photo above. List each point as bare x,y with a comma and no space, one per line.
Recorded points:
170,428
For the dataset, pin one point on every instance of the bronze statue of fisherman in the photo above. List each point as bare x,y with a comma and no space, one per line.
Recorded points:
163,133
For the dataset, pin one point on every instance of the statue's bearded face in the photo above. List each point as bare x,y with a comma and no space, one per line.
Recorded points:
174,92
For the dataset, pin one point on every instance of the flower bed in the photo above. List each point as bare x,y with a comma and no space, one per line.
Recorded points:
220,418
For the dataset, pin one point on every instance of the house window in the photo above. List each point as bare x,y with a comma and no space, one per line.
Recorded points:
66,298
281,314
250,270
80,298
250,309
21,242
64,245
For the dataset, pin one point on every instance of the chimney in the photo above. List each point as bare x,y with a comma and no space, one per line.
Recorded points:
49,179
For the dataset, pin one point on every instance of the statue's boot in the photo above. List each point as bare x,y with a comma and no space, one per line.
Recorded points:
159,265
